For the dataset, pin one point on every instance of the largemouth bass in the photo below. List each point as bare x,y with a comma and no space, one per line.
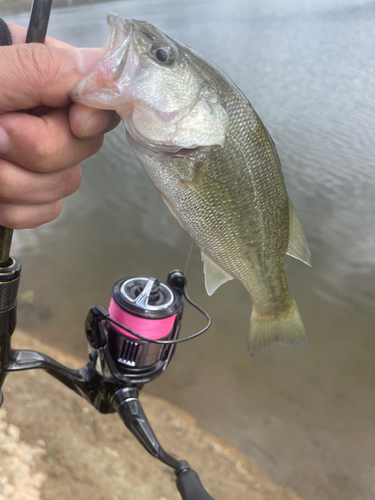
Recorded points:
213,162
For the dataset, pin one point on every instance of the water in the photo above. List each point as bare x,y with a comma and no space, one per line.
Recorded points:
306,417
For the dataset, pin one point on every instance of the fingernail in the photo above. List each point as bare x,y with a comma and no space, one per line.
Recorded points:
4,141
88,59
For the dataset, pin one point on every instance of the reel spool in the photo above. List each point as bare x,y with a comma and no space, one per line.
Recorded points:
149,308
134,340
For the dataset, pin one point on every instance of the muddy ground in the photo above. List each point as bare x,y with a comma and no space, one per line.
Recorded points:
54,445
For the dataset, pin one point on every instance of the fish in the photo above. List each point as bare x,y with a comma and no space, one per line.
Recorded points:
214,163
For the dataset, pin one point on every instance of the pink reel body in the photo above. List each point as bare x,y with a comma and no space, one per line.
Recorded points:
149,308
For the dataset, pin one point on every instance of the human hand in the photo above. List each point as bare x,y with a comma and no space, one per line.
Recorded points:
40,150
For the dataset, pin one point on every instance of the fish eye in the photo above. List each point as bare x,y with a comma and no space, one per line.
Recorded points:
162,54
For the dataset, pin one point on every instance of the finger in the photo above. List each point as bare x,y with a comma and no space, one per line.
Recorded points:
19,186
88,122
28,216
44,144
18,34
34,74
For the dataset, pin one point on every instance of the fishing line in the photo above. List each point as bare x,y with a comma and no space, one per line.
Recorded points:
188,257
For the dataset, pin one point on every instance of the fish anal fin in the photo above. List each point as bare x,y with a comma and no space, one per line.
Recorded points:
298,246
214,276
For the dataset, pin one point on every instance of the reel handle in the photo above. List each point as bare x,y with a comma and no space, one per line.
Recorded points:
190,487
126,403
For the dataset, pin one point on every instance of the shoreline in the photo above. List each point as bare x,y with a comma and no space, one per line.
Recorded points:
72,450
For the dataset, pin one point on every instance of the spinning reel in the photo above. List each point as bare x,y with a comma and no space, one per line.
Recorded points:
122,358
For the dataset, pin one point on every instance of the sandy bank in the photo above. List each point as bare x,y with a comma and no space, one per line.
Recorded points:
53,445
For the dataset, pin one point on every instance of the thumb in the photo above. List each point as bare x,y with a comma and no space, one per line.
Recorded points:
33,74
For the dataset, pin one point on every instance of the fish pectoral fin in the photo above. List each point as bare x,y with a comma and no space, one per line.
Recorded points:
298,246
214,276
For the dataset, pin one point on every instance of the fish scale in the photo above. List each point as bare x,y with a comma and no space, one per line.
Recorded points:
214,163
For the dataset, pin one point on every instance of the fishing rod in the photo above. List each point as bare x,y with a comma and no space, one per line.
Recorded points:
36,33
131,343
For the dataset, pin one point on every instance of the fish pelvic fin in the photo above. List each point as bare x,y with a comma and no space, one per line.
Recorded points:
286,329
298,246
214,276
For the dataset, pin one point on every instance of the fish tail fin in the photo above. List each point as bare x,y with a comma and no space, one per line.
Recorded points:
286,329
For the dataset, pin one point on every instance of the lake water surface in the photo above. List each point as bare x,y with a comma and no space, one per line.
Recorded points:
306,417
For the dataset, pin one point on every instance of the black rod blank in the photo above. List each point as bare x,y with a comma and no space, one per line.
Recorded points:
5,233
5,242
40,12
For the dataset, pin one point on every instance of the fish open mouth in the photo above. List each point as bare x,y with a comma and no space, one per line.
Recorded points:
106,87
147,94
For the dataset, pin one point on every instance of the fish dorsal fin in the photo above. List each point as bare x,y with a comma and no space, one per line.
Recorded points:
298,246
214,276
